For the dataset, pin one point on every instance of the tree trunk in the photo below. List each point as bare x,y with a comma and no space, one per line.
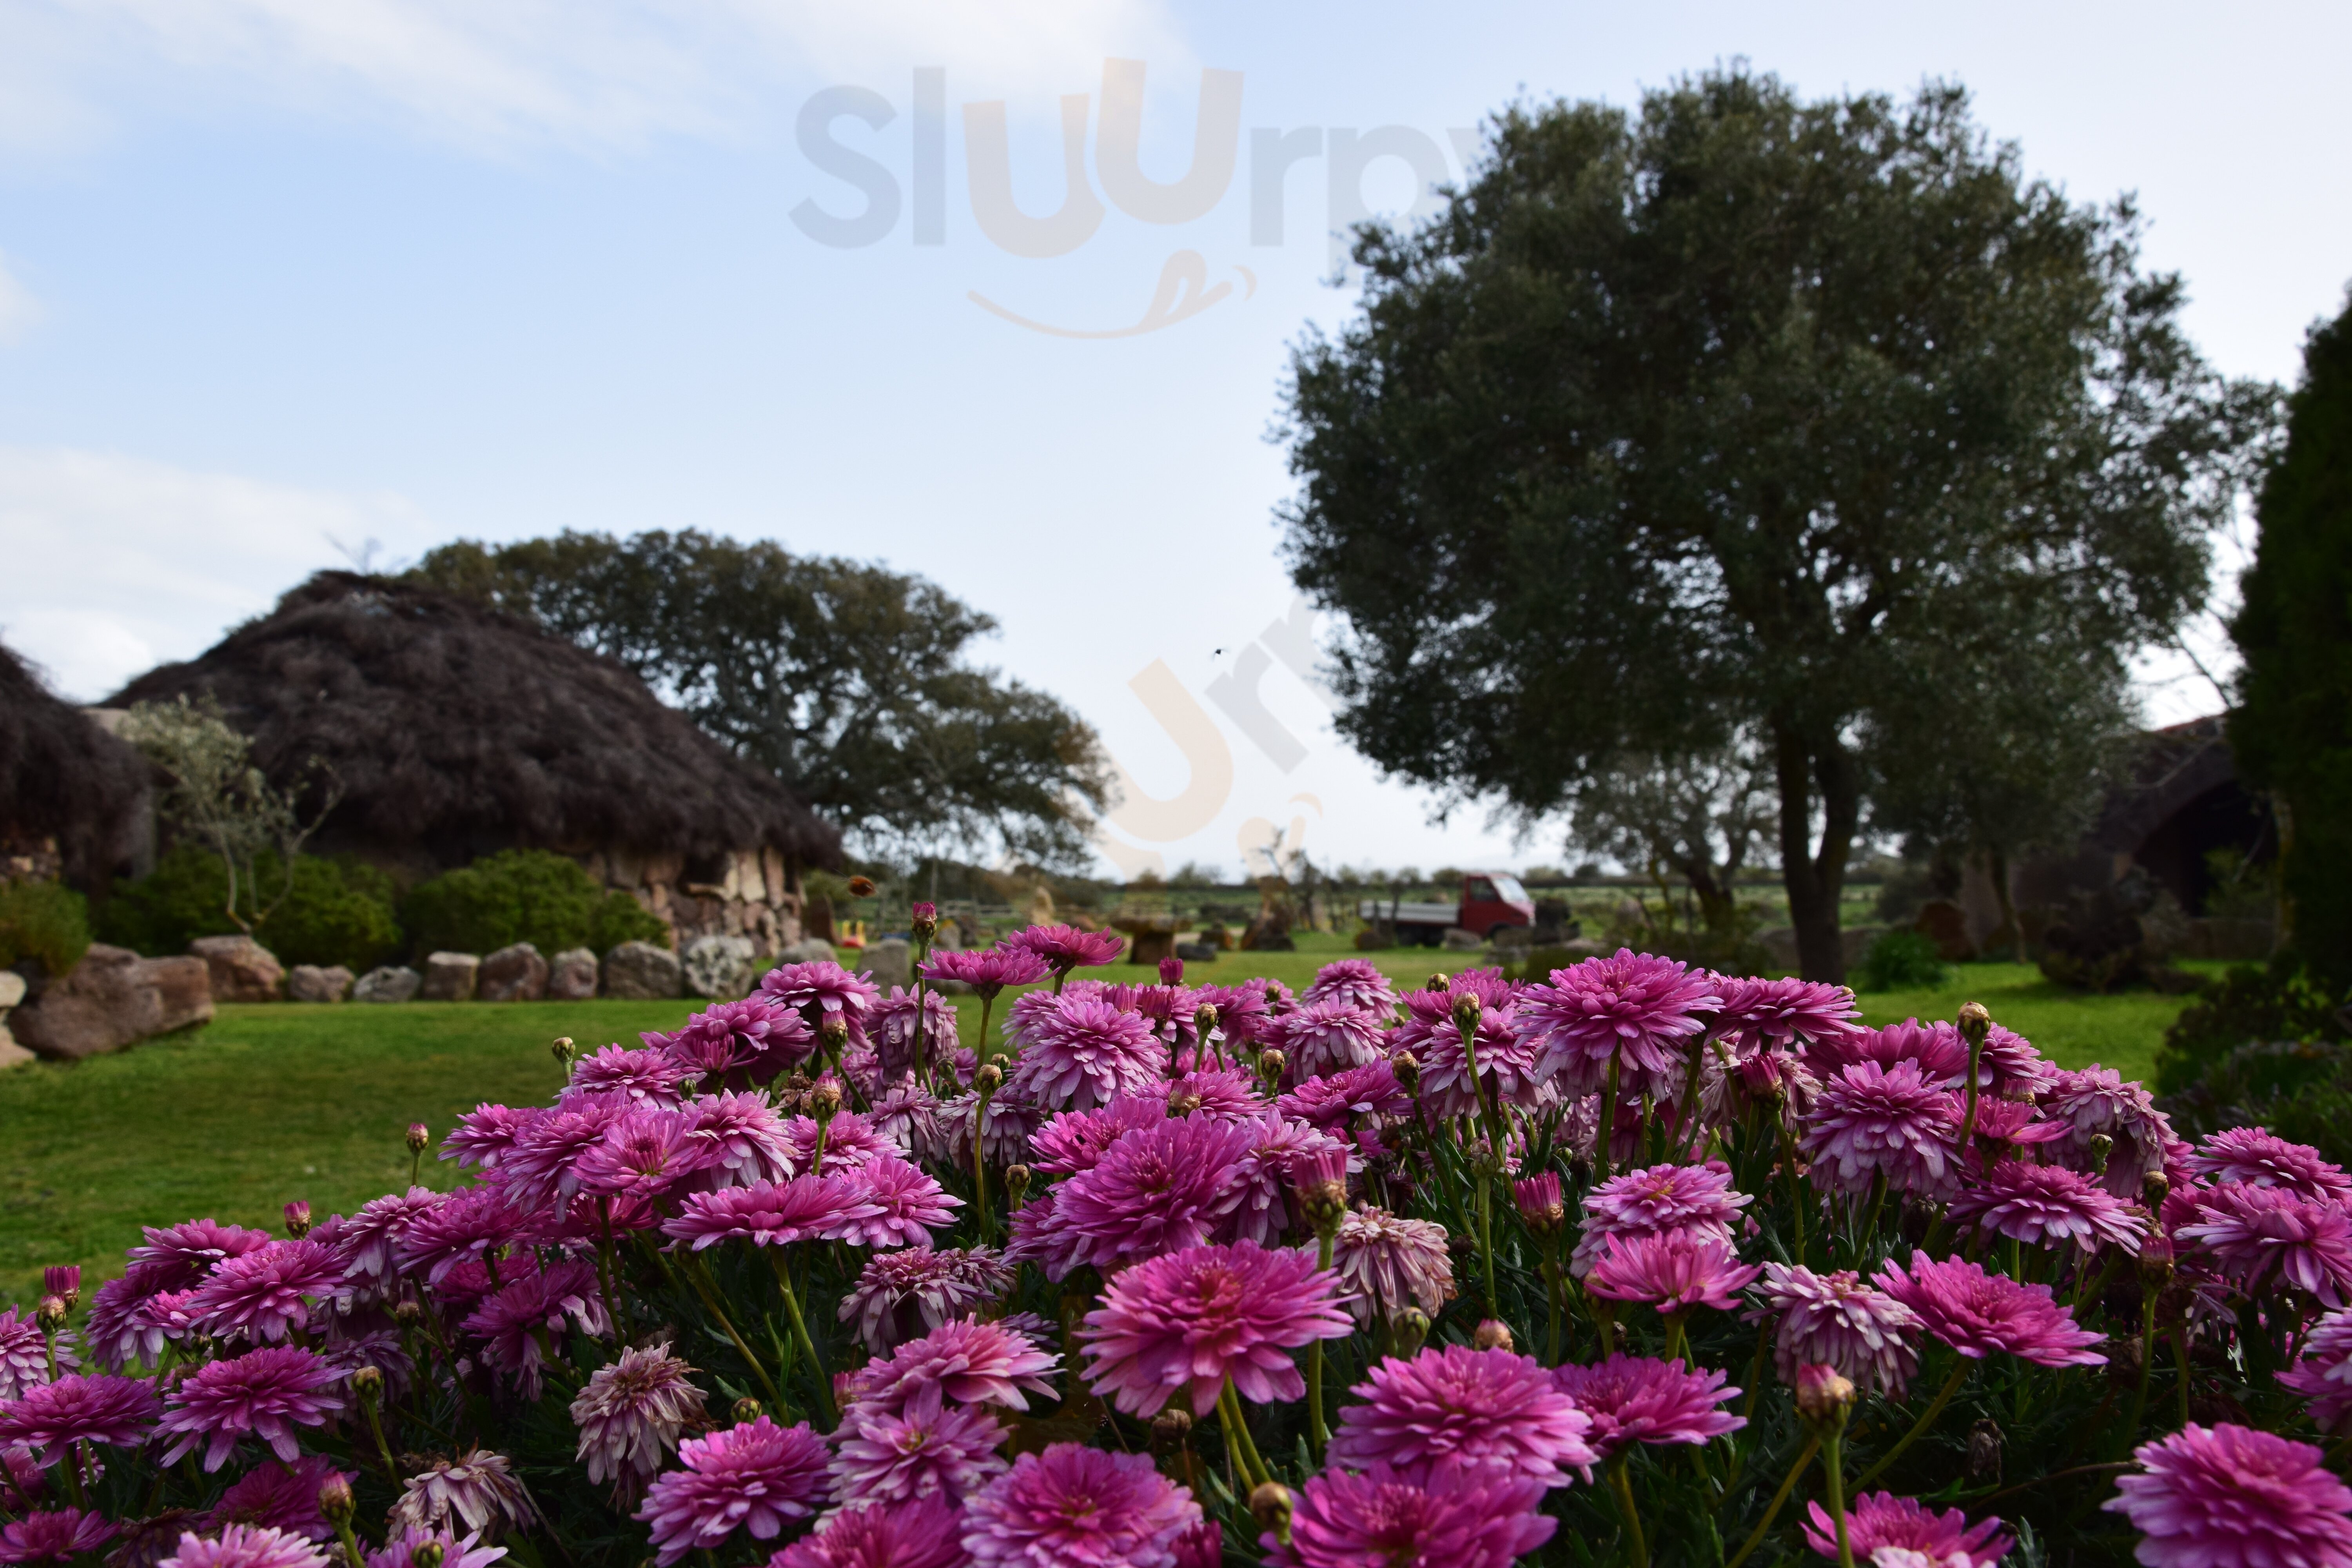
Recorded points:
1813,878
1997,864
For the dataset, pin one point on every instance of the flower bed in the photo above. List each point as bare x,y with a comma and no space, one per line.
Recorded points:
1638,1264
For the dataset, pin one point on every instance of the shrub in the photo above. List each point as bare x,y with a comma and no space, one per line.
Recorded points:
523,895
1902,961
334,911
46,923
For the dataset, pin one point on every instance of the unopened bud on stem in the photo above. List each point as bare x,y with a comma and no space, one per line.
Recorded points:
1823,1394
1269,1504
50,1314
335,1501
368,1382
989,1078
746,1411
1975,1024
1016,1181
561,1049
297,1219
419,1135
1466,1011
1491,1335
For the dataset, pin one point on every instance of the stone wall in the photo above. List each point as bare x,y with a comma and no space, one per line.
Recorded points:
753,893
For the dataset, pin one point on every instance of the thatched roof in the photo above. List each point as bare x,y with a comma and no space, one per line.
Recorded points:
62,778
455,729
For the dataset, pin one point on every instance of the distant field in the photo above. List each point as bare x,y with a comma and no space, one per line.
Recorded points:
275,1102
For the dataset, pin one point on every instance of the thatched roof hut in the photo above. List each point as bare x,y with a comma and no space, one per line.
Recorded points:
73,799
454,730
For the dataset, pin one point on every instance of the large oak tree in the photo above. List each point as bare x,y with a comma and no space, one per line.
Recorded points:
1746,412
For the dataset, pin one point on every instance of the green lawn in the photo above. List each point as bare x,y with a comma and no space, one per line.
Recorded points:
275,1102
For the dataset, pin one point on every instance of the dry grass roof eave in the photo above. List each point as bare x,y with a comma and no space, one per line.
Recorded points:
63,778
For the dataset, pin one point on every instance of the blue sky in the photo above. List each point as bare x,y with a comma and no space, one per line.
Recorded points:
278,277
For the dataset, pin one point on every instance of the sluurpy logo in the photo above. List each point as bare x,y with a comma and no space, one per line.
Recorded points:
1112,122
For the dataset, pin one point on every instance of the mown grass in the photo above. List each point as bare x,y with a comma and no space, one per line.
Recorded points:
270,1103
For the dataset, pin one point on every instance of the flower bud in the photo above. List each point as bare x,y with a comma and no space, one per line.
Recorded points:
1171,972
833,1031
1170,1429
368,1382
2155,1187
1407,1071
426,1554
746,1411
1975,1024
1204,1019
861,886
50,1314
1823,1394
297,1219
1016,1181
989,1078
1541,1203
559,1049
1491,1335
419,1135
62,1280
2101,1147
924,923
1274,998
1270,1063
2155,1263
1269,1504
1466,1011
1183,1104
1983,1463
1440,983
1410,1327
407,1314
335,1501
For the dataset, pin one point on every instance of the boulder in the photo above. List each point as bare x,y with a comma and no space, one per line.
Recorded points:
450,976
572,975
394,983
720,967
242,969
12,991
1197,951
642,971
891,962
309,982
1456,939
1945,924
514,974
808,950
113,997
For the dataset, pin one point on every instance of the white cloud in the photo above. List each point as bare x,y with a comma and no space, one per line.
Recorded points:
590,72
18,309
117,562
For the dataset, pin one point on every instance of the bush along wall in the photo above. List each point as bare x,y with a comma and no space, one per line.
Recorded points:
523,895
338,910
43,924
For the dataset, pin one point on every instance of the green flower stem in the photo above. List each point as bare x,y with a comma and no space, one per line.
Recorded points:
698,1273
1237,1437
1870,1222
1674,1324
1832,1442
1486,1242
980,1163
1625,1490
382,1449
2147,1365
1606,1132
1318,1434
605,1267
801,1333
2181,1350
1551,1298
1796,1187
1927,1419
1788,1485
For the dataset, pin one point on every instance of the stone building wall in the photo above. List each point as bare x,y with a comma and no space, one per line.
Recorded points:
753,893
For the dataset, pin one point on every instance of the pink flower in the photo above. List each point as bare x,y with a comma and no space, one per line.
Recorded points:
643,1157
1448,1519
901,1295
53,1416
916,1535
2256,1235
1909,1533
647,1078
741,1140
2253,1156
1762,1014
969,1360
542,1165
1064,947
477,1488
243,1546
907,1204
1387,1264
1976,1313
1329,1036
1357,982
484,1135
456,1552
757,1036
2322,1372
267,1392
24,1354
988,970
1674,1271
1079,1508
262,1294
850,1140
1634,1006
753,1477
822,990
461,1228
2009,1068
924,1448
2234,1497
1491,1410
1698,1199
1226,1094
1331,1101
1082,1053
368,1243
1074,1140
1506,1065
2097,1100
1183,1323
775,1214
1937,1050
131,1320
631,1412
1639,1399
1837,1320
184,1254
896,1022
1276,1165
545,1302
1156,1190
2046,1205
57,1536
1870,1121
279,1496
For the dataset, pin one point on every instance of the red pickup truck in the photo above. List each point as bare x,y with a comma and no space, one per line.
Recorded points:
1490,901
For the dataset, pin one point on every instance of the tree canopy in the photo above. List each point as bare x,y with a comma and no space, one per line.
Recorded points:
2293,728
850,681
1745,412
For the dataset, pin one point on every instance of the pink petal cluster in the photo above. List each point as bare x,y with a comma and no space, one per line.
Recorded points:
755,1476
266,1393
2322,1372
1080,1053
1386,1264
2258,1236
1836,1320
245,1546
2045,1206
1906,1532
1696,1199
2257,1158
1064,947
922,1447
819,990
630,1412
1357,982
1870,1121
2229,1497
1637,1009
2098,1101
1179,1326
916,1535
1491,1410
988,970
58,1535
1081,1506
79,1408
906,1204
1673,1270
1447,1518
1156,1190
904,1294
1977,1313
1329,1036
1640,1399
775,1214
969,1361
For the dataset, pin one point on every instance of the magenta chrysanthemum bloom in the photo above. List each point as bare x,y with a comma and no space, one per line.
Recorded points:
1977,1313
1079,1508
1228,1094
267,1393
1329,1102
901,1295
756,1036
2234,1497
544,1302
1938,1050
896,1022
1181,1325
1245,1017
1357,982
542,1165
1673,1270
79,1408
1697,1199
368,1243
279,1496
1489,1410
1870,1121
2322,1372
906,1204
968,1360
645,1078
2097,1100
484,1135
1156,1190
753,1477
2017,1122
1837,1320
924,1448
1329,1036
1635,1009
988,970
24,1354
917,1535
773,1213
1386,1264
243,1546
178,1256
476,1490
2256,1235
631,1412
643,1157
456,1551
126,1328
1758,1015
1908,1533
1640,1399
1445,1519
741,1140
1075,1139
2253,1156
1506,1065
461,1228
2009,1068
58,1535
1081,1053
850,1140
2046,1205
262,1294
908,1119
1064,947
821,990
1281,1154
